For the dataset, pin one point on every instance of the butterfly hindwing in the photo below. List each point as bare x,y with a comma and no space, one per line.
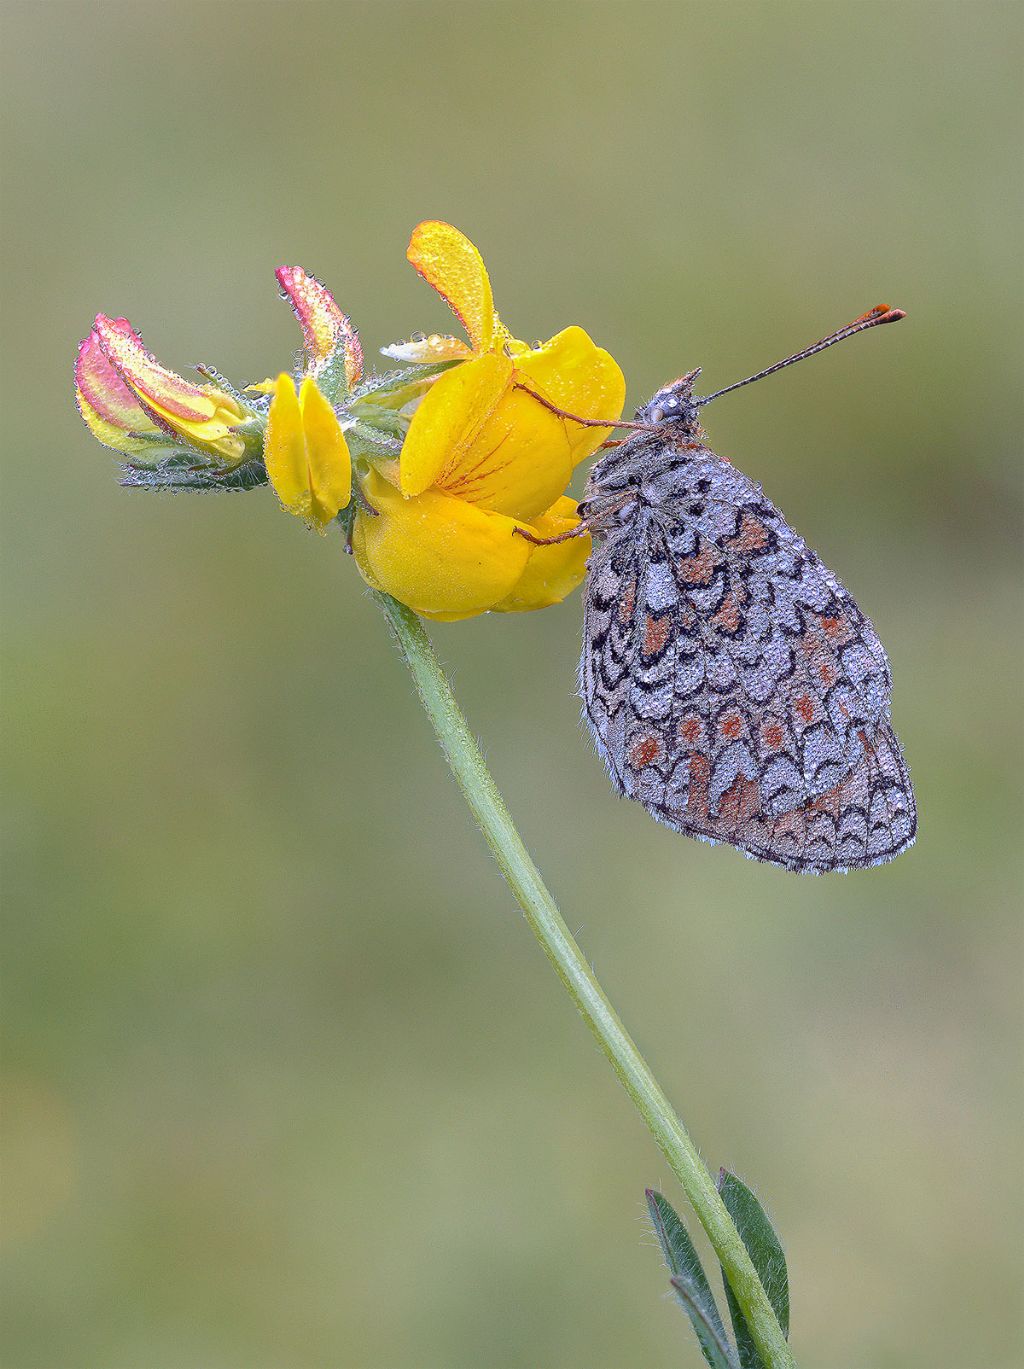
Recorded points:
733,685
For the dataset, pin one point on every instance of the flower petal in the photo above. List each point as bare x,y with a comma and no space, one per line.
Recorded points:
106,394
305,453
204,416
148,449
448,261
143,373
422,350
517,464
523,457
578,376
284,450
435,554
450,417
551,573
325,327
327,455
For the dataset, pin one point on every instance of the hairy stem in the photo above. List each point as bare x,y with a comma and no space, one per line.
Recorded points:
488,807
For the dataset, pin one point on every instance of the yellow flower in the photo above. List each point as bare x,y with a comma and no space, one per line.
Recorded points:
306,454
483,457
129,400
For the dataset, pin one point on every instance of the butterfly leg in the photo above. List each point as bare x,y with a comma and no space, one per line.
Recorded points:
583,422
580,530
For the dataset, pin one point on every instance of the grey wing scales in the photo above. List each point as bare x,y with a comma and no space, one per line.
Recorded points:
734,687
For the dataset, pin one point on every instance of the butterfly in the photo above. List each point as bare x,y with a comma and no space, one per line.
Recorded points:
732,684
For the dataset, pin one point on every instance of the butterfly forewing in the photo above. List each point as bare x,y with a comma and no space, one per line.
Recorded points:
733,686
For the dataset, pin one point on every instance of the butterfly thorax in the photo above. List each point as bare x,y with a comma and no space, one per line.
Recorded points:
643,472
635,473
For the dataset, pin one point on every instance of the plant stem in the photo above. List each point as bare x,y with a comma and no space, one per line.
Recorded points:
548,926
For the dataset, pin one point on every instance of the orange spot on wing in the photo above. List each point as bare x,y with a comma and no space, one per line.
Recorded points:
731,726
773,736
805,707
690,729
655,635
644,751
740,802
697,570
697,801
752,535
627,602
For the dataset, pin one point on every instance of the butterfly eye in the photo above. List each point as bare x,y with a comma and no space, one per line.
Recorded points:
664,407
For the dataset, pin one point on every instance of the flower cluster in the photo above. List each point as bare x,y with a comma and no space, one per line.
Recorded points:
430,469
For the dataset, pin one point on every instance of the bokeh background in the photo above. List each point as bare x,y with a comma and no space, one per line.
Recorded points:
288,1082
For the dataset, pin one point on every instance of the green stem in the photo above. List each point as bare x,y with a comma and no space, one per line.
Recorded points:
542,913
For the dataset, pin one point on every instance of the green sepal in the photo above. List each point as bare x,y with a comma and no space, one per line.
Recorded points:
180,472
163,450
365,443
332,378
149,451
253,433
689,1281
346,517
765,1251
395,388
378,419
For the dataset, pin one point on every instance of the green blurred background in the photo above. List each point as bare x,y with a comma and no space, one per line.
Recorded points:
288,1082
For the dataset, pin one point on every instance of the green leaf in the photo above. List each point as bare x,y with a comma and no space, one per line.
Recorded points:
765,1250
713,1343
690,1282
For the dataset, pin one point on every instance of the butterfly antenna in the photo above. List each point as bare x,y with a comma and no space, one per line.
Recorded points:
881,313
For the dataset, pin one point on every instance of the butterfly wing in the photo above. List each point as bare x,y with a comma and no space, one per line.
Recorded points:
867,819
734,687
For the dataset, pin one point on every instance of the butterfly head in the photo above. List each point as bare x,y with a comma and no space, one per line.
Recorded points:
674,406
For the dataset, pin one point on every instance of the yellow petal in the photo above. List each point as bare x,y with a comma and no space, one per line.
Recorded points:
327,455
518,463
284,451
448,261
115,437
579,377
524,455
449,418
306,455
436,554
551,573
